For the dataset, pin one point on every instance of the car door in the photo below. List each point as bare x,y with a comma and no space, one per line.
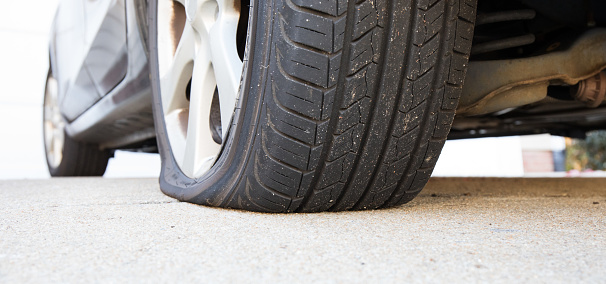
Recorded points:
76,90
107,58
91,52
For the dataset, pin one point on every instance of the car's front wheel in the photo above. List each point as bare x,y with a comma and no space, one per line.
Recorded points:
304,105
64,155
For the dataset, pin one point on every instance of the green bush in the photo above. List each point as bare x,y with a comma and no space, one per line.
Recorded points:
587,154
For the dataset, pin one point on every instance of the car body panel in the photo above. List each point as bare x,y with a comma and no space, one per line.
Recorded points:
100,61
70,52
107,56
91,45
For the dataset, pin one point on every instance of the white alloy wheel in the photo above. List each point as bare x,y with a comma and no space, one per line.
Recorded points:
54,125
197,61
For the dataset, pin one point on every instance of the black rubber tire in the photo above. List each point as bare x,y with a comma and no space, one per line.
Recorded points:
345,105
79,159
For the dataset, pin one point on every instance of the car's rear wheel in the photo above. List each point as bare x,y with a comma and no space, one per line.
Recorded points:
332,105
65,156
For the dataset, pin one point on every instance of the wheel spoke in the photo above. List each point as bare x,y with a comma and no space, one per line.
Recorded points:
182,2
48,138
227,64
48,134
57,145
218,29
207,55
175,78
200,148
176,128
48,113
202,13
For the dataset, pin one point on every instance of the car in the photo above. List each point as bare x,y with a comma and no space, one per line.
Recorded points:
313,105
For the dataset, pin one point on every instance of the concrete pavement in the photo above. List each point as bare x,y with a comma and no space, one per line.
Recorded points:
457,230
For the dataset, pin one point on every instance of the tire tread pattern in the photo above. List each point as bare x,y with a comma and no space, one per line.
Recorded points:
356,120
81,159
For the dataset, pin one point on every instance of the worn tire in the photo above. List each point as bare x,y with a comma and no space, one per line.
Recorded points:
344,105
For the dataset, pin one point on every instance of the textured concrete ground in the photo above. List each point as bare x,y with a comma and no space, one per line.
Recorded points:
458,230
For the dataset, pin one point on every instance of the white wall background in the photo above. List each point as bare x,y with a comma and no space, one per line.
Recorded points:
481,157
24,29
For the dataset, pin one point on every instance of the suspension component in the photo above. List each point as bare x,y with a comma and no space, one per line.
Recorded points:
592,91
506,16
495,85
503,43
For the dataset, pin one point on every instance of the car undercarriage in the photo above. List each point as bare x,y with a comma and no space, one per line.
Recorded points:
535,67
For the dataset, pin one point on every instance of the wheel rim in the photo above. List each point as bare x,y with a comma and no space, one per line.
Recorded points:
54,125
200,72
